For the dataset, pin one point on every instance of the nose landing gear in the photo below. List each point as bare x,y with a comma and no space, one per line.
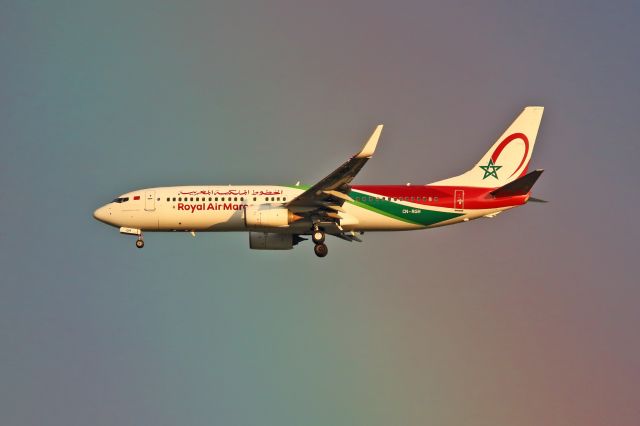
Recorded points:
320,248
134,231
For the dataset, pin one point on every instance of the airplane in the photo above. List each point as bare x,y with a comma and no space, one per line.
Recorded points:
278,217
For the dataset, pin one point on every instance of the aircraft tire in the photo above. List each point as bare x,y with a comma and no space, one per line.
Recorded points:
321,250
139,243
317,237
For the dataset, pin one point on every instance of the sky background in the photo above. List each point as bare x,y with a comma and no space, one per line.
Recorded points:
527,319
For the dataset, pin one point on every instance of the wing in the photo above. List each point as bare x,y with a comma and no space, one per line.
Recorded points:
324,200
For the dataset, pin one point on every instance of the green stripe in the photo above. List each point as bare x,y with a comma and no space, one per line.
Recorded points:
394,210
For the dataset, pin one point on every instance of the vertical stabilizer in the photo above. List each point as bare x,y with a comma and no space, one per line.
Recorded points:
508,158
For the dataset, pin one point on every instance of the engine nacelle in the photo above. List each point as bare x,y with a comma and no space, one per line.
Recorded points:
268,217
270,241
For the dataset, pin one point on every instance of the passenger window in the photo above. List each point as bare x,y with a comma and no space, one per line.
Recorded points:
278,198
191,198
209,198
435,199
215,199
241,198
254,198
284,199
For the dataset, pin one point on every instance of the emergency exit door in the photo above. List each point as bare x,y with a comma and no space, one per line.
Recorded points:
458,198
150,200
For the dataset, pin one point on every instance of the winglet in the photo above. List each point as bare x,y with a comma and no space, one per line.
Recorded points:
369,148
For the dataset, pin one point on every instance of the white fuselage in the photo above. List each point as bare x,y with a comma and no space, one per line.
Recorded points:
276,216
206,208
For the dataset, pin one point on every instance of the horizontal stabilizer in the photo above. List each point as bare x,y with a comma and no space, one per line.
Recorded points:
520,186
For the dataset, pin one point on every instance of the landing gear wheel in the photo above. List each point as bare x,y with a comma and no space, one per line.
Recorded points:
317,237
139,243
321,250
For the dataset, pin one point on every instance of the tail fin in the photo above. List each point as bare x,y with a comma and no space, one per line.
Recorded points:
508,158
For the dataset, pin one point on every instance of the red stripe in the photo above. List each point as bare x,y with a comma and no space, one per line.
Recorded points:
474,198
505,142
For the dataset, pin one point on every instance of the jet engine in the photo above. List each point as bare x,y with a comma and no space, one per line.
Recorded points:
268,217
270,241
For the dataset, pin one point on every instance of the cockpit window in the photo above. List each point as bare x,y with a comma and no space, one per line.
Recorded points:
121,200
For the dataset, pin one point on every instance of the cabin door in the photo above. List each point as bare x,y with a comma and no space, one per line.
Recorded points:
150,200
458,202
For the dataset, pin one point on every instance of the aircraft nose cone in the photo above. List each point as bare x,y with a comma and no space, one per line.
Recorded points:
101,214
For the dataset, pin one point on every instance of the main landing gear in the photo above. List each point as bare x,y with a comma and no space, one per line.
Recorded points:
320,248
318,236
